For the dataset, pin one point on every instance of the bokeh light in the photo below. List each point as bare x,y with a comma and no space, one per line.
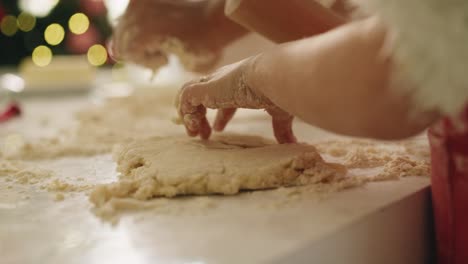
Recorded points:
54,34
12,82
26,22
9,25
42,56
80,44
97,55
78,23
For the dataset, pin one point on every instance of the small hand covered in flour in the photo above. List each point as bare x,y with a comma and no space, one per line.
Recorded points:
227,89
150,29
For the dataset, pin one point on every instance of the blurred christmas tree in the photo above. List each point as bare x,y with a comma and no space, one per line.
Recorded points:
62,27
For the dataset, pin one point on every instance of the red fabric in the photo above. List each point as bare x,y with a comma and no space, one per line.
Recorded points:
449,154
2,12
12,110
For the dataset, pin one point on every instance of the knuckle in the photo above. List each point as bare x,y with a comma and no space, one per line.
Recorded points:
184,97
184,91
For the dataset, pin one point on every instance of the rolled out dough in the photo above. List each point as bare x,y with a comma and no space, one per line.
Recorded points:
170,166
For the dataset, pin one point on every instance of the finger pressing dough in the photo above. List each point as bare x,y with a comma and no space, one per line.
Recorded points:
173,166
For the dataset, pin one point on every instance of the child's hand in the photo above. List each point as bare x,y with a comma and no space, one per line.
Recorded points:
150,29
227,89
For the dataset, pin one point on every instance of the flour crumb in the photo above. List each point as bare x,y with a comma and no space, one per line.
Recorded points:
59,197
366,158
23,173
401,167
57,185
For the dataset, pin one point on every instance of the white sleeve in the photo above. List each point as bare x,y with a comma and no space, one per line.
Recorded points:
429,43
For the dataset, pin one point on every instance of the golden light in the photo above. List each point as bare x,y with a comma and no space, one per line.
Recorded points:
9,26
97,55
78,23
42,56
54,34
26,22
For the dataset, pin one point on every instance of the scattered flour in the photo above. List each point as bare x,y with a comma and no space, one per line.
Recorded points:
57,185
147,115
24,173
99,128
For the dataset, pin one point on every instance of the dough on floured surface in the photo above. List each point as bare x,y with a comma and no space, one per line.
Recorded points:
170,166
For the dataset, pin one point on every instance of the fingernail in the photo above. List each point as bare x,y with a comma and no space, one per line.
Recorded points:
192,122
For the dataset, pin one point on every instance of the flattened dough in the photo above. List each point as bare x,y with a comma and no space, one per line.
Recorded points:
225,165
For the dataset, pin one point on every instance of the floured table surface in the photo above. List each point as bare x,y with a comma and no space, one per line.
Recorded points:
46,215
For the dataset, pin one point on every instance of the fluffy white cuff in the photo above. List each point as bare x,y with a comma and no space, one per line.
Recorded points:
430,47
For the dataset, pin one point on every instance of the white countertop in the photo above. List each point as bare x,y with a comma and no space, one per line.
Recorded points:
383,222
